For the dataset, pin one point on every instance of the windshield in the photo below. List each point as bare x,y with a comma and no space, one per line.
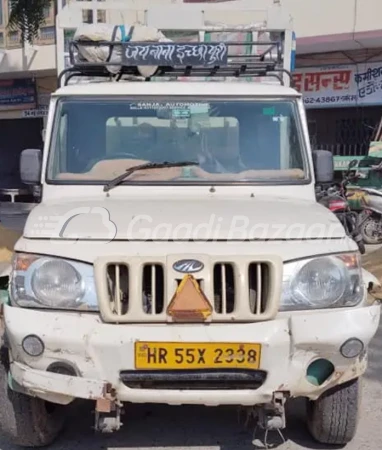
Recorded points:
230,141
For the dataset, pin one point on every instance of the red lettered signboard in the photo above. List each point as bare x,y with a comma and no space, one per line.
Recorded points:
338,86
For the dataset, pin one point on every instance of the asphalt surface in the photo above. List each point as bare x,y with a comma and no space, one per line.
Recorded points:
14,215
150,427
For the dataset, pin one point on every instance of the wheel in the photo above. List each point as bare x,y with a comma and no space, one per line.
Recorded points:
27,421
333,418
369,230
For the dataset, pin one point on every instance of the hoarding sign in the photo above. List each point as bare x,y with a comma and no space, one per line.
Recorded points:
339,86
17,94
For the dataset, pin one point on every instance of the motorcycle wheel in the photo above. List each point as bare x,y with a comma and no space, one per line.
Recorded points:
368,230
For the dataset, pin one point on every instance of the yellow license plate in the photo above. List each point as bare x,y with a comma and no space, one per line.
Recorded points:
196,355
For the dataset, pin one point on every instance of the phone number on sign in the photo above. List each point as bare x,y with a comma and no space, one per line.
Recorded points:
332,99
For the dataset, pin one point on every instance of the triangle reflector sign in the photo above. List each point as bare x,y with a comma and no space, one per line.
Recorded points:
189,303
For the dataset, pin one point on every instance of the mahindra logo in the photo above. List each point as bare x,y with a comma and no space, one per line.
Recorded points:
188,266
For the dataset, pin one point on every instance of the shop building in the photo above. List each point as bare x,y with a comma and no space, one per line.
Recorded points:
339,70
27,79
343,98
23,109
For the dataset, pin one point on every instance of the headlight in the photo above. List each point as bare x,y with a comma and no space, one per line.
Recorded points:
45,282
325,282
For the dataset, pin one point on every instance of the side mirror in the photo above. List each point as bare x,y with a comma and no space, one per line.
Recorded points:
30,166
323,166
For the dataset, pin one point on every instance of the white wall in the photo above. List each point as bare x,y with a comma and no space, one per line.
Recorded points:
323,17
30,59
313,17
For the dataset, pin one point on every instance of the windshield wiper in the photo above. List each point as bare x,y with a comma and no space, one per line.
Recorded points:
164,165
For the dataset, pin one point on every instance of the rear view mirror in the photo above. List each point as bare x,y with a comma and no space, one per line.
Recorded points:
30,166
323,166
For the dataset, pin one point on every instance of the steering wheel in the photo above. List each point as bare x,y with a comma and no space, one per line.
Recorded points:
119,155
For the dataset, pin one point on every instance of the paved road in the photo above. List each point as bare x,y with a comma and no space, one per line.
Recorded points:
14,215
197,428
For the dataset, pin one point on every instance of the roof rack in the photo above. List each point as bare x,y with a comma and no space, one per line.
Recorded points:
268,50
176,59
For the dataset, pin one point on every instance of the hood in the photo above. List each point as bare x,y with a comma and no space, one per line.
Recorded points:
196,219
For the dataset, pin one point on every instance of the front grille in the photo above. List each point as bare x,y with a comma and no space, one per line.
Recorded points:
153,289
130,290
258,285
224,288
118,288
194,379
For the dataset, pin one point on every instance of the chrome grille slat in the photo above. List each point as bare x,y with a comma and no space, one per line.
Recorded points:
117,290
258,280
224,289
242,289
153,291
258,290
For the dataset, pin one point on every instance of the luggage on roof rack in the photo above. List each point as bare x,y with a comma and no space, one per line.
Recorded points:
186,42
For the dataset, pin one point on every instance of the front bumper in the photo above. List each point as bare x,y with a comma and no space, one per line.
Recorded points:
99,352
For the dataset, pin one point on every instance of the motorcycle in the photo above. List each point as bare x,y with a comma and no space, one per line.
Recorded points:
369,202
335,199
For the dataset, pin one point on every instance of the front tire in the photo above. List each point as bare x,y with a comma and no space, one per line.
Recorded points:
333,418
27,421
